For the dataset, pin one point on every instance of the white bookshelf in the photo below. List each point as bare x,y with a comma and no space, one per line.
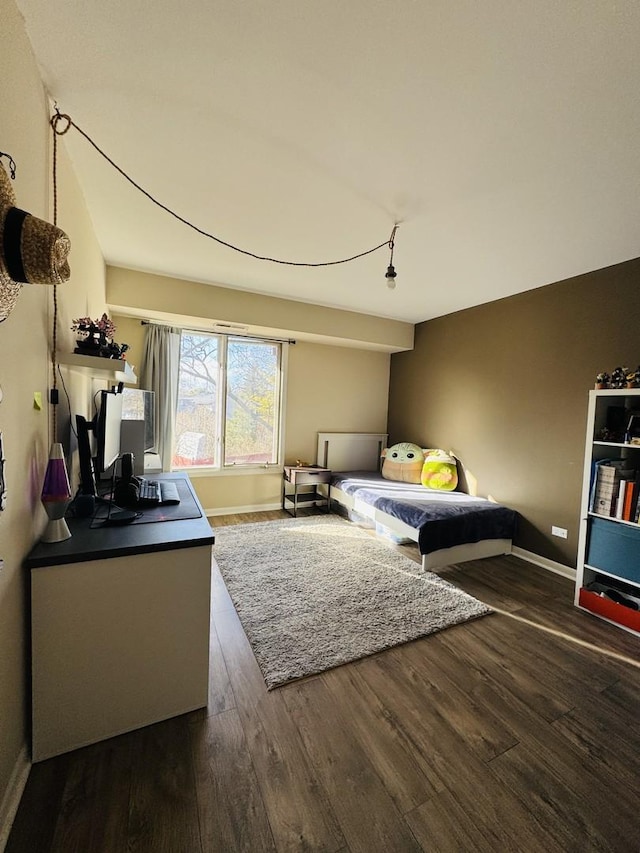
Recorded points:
608,547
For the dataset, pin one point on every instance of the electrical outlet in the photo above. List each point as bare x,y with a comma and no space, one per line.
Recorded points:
559,531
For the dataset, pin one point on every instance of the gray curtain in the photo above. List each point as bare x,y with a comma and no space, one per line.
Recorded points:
159,373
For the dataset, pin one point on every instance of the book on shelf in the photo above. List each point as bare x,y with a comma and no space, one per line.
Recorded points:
630,500
608,487
607,494
622,486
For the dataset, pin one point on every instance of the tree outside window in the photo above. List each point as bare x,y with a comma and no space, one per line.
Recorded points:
228,401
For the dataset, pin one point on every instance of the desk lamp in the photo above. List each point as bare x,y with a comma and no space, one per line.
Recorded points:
56,496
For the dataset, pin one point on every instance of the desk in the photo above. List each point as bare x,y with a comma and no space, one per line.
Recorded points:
119,628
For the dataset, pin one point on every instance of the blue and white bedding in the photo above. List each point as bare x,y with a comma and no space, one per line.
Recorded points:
441,519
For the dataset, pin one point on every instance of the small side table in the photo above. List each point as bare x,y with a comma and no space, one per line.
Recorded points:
295,477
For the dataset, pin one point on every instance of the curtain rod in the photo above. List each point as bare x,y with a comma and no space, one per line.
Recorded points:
227,334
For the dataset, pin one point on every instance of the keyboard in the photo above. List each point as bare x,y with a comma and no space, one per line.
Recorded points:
149,493
153,493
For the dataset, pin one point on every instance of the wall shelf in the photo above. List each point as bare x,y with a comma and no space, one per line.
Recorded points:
110,368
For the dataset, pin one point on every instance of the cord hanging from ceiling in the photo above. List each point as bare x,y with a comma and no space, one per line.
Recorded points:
53,393
12,164
61,123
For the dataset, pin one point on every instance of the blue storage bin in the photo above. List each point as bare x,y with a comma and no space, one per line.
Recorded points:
615,548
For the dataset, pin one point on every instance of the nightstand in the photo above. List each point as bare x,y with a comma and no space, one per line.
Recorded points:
299,487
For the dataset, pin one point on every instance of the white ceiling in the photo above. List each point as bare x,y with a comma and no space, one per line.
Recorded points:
503,135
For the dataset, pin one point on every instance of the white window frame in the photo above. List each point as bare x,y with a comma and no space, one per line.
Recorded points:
280,402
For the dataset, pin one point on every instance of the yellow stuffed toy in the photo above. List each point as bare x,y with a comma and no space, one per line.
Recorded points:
440,470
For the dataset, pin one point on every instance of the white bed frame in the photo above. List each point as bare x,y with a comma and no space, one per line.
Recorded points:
357,451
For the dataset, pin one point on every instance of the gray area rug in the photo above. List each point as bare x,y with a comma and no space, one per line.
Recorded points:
313,593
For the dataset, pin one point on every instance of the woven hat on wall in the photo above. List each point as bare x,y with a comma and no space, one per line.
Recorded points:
32,251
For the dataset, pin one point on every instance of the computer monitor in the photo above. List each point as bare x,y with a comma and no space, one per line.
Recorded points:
107,430
105,427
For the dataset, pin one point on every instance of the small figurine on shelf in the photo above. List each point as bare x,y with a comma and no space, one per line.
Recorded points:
619,377
114,350
605,434
633,378
602,381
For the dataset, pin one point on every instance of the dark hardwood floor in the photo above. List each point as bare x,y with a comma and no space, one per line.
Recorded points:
516,732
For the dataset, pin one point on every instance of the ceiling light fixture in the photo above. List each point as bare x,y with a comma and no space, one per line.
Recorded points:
391,274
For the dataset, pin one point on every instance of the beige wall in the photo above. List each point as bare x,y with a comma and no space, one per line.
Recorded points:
506,384
130,331
24,369
333,389
328,389
158,297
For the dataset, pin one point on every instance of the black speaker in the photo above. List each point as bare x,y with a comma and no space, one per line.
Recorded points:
127,466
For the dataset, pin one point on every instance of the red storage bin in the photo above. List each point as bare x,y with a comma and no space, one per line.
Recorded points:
617,613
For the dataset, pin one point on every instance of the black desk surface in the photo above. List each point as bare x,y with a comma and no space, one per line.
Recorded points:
89,542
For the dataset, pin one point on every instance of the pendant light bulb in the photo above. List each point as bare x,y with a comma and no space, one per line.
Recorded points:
390,277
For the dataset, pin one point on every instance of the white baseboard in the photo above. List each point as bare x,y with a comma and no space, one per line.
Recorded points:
544,563
13,795
234,510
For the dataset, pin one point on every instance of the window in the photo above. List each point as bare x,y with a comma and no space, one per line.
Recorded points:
229,402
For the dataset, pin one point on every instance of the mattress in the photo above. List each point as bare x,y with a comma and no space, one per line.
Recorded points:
442,519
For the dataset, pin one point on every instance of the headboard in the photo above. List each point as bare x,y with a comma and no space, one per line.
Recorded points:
351,451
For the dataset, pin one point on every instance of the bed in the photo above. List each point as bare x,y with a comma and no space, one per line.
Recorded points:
449,527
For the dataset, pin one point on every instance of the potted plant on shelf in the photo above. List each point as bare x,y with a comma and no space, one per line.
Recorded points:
602,381
97,338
